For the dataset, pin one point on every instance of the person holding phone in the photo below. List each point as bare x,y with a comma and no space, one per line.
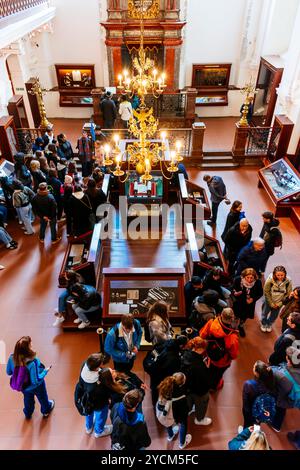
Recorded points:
25,360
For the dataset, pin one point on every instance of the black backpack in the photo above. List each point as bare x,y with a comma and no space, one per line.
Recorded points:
83,400
278,240
154,359
216,349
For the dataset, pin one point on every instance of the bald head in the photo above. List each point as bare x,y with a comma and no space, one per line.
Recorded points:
244,224
258,244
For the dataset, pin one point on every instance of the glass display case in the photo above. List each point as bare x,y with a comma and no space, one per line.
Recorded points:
195,196
75,83
212,83
139,192
281,180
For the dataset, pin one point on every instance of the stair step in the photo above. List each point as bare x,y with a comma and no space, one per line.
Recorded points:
219,165
217,153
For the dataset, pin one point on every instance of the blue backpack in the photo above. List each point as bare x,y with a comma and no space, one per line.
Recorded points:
264,408
294,394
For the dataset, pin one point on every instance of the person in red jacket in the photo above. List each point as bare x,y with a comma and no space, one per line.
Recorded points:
222,336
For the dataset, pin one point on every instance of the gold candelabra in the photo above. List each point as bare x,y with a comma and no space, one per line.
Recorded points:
40,92
145,78
249,90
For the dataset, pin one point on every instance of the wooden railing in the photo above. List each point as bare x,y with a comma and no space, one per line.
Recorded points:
10,7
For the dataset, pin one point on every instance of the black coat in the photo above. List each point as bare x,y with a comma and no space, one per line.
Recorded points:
235,241
108,109
209,283
65,150
249,258
129,437
80,211
196,372
56,186
89,298
180,407
232,218
190,293
267,227
283,342
44,205
38,177
97,200
241,309
130,382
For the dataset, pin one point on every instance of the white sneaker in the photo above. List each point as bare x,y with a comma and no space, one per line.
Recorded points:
77,320
28,233
263,328
240,429
188,439
175,432
58,321
204,422
83,325
106,432
269,329
89,431
192,410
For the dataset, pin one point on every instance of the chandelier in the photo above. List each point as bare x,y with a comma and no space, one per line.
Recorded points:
146,152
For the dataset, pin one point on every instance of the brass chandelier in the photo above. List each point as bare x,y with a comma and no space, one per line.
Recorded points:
145,153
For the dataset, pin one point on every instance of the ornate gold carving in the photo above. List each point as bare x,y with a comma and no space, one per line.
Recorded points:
151,9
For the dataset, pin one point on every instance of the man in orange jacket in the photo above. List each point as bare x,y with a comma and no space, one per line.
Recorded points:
223,345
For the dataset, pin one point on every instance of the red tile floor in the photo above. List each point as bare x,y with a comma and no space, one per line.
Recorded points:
28,297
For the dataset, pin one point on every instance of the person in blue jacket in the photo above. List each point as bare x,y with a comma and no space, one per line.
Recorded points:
25,356
253,255
250,439
123,342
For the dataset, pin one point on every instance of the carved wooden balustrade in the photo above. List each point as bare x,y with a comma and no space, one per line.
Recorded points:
10,7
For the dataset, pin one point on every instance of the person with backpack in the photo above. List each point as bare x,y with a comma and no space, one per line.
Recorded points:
28,376
286,339
195,366
164,360
157,325
130,432
21,172
205,308
71,278
92,398
269,222
123,343
223,345
192,289
266,397
87,301
277,289
172,408
246,291
290,305
45,207
21,198
120,383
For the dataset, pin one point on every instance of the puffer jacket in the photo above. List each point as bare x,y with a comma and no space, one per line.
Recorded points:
116,346
217,329
272,287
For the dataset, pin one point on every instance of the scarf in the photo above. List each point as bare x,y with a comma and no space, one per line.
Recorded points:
84,148
128,417
247,285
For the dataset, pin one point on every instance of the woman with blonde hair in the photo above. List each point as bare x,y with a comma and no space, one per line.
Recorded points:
173,389
252,438
37,175
247,289
157,323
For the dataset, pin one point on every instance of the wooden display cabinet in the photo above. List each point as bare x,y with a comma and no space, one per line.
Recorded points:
204,253
134,290
212,83
75,84
16,108
196,197
8,138
281,180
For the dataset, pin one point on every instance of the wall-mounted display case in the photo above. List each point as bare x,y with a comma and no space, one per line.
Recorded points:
212,83
282,182
75,83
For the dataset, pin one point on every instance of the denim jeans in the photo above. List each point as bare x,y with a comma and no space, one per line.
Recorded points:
43,227
26,217
41,394
98,419
269,315
62,301
182,432
3,212
81,313
4,236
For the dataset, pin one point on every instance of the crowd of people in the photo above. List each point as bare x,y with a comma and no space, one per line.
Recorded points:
184,369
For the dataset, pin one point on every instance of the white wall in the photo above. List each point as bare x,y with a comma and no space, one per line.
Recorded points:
214,35
77,38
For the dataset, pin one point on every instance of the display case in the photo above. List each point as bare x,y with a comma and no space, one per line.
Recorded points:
8,138
136,290
281,180
212,83
195,196
83,255
16,108
204,253
75,83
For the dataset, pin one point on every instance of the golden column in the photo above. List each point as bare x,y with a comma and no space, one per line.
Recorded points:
249,91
